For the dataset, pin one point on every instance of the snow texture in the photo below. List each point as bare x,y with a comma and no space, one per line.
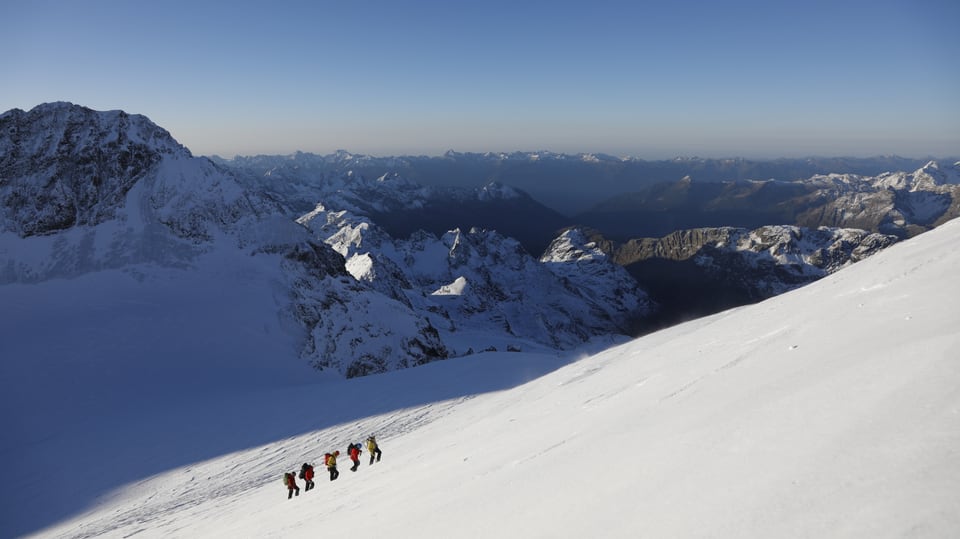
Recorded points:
831,410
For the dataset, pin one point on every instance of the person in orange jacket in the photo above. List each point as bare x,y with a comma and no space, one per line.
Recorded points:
290,480
330,459
354,452
306,473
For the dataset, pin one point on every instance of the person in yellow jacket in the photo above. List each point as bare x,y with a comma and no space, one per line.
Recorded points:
374,449
330,459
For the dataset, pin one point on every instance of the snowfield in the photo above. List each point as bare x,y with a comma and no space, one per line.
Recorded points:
829,411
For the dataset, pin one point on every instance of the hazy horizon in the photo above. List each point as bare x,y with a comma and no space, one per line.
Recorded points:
743,78
574,153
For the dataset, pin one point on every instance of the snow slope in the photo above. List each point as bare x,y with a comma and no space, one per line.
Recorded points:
832,410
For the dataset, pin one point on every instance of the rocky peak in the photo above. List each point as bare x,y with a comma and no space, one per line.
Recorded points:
63,165
932,175
498,191
765,261
572,245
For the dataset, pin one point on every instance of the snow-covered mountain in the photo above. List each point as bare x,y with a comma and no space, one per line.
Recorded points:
722,271
768,260
900,203
828,411
83,191
398,204
707,270
480,280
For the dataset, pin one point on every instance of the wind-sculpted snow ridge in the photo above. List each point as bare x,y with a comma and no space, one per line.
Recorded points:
482,283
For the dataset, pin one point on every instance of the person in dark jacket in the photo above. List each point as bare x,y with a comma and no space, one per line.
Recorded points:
373,448
306,473
354,452
290,480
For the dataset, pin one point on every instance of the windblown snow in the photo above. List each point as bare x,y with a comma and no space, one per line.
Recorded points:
829,411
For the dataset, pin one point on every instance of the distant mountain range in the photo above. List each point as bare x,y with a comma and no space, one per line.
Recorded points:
570,184
900,203
696,268
417,263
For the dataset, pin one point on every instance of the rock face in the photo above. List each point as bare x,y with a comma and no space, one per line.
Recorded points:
700,271
98,190
352,329
62,165
479,288
898,203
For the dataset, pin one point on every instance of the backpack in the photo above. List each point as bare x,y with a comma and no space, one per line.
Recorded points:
286,478
326,459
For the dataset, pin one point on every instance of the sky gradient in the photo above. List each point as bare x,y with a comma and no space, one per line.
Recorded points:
707,78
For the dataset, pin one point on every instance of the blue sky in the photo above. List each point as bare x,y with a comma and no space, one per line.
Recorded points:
648,79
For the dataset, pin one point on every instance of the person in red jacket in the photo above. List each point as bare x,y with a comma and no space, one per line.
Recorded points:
354,452
306,473
290,480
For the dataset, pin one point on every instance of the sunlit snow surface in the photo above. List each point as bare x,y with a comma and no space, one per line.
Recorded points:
830,411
